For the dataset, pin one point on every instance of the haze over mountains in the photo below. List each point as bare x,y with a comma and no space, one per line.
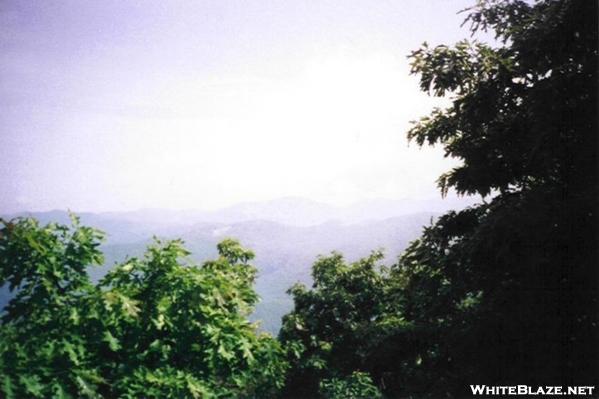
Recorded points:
286,235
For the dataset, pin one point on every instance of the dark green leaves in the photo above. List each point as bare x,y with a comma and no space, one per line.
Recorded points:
502,292
491,289
357,386
334,325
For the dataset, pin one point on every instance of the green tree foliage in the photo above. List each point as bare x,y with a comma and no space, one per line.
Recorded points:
356,386
334,325
153,327
500,293
507,291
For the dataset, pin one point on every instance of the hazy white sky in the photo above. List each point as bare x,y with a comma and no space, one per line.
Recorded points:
115,105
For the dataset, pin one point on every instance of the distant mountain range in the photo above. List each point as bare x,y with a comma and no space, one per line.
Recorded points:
287,235
293,211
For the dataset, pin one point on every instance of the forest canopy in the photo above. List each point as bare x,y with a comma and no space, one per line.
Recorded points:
501,293
152,327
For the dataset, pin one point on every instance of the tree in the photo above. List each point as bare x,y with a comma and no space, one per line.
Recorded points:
506,292
42,343
153,327
356,386
332,328
502,293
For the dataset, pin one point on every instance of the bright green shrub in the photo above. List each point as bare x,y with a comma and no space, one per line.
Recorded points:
153,327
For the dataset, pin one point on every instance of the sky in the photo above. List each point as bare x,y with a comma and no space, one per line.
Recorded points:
122,105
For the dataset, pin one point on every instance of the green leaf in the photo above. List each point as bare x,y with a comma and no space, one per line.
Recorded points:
113,343
8,388
32,384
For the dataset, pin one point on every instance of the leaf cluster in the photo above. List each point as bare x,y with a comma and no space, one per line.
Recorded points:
502,292
157,326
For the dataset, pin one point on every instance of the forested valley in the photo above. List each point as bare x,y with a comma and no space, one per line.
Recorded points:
503,292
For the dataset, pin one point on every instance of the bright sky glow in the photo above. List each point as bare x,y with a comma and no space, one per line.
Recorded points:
126,105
